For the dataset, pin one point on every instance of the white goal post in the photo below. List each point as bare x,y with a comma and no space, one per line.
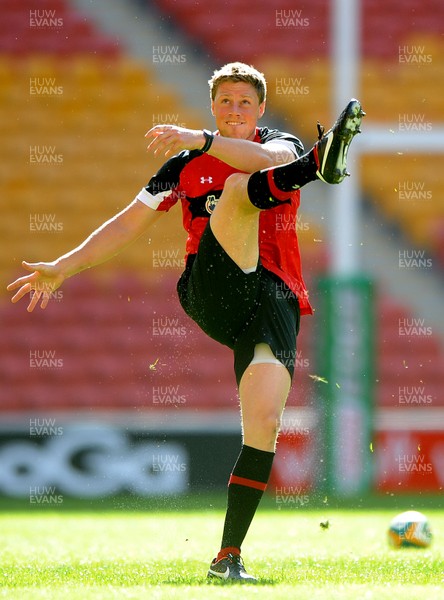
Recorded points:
346,29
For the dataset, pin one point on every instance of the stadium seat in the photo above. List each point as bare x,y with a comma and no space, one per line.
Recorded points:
102,326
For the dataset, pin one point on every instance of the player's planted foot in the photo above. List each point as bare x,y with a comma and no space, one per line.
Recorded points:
230,569
332,147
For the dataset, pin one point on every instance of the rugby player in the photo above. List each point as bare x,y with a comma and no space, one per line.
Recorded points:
242,282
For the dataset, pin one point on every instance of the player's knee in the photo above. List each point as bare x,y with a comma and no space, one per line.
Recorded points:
235,186
269,422
262,432
235,195
236,182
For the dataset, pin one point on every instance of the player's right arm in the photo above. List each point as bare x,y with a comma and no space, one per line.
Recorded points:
105,242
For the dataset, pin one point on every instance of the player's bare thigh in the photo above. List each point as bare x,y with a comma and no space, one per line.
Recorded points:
234,222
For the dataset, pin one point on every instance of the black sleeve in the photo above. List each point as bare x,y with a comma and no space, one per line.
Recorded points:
168,176
162,190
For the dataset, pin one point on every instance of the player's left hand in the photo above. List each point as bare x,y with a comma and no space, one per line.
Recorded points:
171,139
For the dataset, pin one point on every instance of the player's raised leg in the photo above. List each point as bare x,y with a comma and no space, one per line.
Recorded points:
235,219
327,160
235,223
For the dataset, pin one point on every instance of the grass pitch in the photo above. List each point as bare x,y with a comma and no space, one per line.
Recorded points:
57,553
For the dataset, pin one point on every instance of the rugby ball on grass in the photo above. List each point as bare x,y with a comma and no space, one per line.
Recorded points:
410,529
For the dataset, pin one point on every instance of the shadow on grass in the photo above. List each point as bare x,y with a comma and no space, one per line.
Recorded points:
259,583
115,574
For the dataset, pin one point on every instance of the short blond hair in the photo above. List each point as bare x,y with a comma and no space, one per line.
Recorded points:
238,71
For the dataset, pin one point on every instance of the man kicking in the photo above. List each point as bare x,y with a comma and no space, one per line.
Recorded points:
242,282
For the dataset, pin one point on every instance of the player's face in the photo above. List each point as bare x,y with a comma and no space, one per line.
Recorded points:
236,110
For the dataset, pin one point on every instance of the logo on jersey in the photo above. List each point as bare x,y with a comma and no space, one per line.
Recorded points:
206,180
210,204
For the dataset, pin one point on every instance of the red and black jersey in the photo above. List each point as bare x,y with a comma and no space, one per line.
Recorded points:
197,181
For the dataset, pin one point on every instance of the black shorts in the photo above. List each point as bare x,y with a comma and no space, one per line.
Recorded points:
237,309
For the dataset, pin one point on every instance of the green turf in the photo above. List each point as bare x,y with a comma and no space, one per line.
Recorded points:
69,554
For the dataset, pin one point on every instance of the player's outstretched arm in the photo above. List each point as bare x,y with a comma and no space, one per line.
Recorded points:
247,156
104,243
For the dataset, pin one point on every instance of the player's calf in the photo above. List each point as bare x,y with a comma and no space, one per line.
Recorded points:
327,160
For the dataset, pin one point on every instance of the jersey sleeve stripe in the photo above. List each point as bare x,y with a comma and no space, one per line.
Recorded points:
287,143
150,200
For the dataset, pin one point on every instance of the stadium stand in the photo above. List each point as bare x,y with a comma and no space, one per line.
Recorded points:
406,190
113,338
119,333
296,58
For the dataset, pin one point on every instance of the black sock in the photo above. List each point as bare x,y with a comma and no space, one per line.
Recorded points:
270,187
245,489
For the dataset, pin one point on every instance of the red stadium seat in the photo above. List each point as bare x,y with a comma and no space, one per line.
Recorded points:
102,327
